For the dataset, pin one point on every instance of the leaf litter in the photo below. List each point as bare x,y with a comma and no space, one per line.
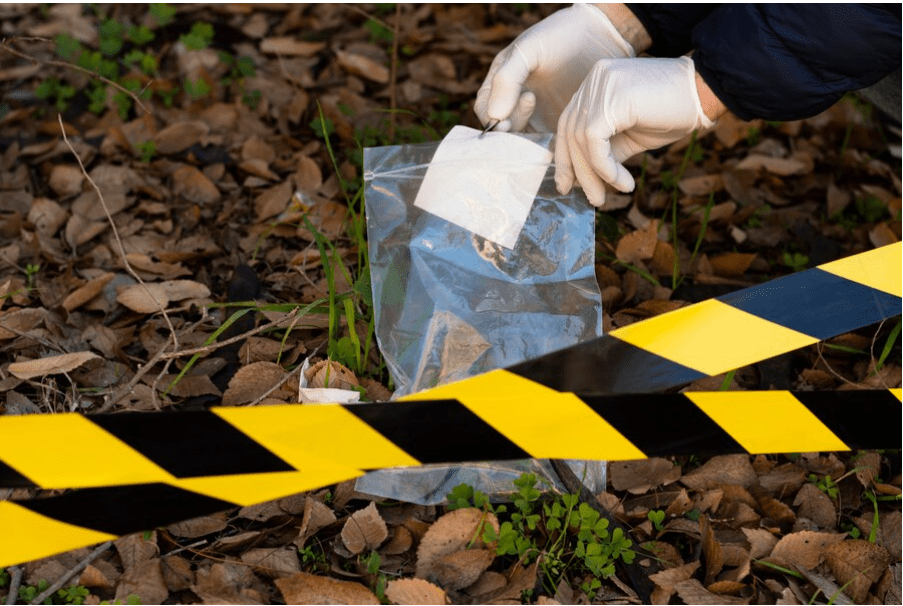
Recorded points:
196,186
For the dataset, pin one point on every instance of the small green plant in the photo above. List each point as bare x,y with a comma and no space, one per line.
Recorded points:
657,517
560,532
147,150
373,563
199,37
826,485
76,594
795,261
197,89
313,557
27,593
31,270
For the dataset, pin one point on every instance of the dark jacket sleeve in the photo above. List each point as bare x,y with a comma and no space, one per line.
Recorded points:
792,61
669,25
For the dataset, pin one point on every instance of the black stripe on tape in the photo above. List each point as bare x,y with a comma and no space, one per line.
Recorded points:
11,478
815,303
664,424
191,444
861,419
438,431
120,510
605,365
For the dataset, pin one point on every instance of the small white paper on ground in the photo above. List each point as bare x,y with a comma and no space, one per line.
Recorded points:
485,184
323,395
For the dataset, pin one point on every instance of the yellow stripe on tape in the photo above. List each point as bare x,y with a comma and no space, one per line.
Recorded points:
538,419
767,421
880,268
41,447
712,337
248,489
315,436
28,535
898,392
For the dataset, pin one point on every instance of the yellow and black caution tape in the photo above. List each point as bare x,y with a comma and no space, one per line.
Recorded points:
137,471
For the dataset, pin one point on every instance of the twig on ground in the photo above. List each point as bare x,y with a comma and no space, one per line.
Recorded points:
122,253
638,576
4,44
58,584
295,370
15,580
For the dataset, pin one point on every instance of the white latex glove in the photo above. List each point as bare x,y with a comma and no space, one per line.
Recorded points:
543,68
624,107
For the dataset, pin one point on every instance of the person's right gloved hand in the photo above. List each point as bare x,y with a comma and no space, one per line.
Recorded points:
533,79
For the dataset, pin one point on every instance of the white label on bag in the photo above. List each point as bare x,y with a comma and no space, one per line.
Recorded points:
485,184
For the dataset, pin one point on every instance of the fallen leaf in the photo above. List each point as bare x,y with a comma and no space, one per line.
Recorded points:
711,549
194,186
290,46
761,542
882,235
304,588
363,66
806,548
732,264
365,529
415,591
20,321
692,592
641,476
179,136
66,180
816,506
86,292
638,245
460,569
702,185
857,564
50,365
200,526
868,467
451,533
254,380
666,580
330,374
401,541
722,469
783,167
273,563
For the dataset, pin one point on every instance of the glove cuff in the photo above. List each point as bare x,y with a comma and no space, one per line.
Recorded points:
606,33
702,121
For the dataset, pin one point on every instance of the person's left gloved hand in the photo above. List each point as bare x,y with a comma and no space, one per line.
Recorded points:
624,107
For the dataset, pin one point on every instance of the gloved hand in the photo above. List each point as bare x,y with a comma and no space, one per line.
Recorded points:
624,107
543,68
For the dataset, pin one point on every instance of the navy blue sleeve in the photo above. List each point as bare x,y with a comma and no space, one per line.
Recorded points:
792,61
669,25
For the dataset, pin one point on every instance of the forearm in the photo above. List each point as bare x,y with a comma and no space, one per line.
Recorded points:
627,25
711,105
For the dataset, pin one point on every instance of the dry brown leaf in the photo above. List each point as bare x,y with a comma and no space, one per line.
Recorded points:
638,245
816,506
228,583
365,529
177,573
401,541
722,469
66,180
273,563
47,216
667,579
252,381
806,548
461,569
290,46
20,320
732,264
761,542
783,167
415,591
641,476
145,265
730,129
94,577
145,580
711,549
783,479
181,290
701,185
868,467
327,373
200,526
304,588
364,66
451,533
179,136
692,592
489,581
144,298
50,365
882,235
519,580
194,186
857,564
726,587
316,516
273,201
86,292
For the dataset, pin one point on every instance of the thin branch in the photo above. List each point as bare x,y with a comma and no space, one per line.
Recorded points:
58,584
15,580
4,44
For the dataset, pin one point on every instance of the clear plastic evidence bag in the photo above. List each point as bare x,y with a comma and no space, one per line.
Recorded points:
476,263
